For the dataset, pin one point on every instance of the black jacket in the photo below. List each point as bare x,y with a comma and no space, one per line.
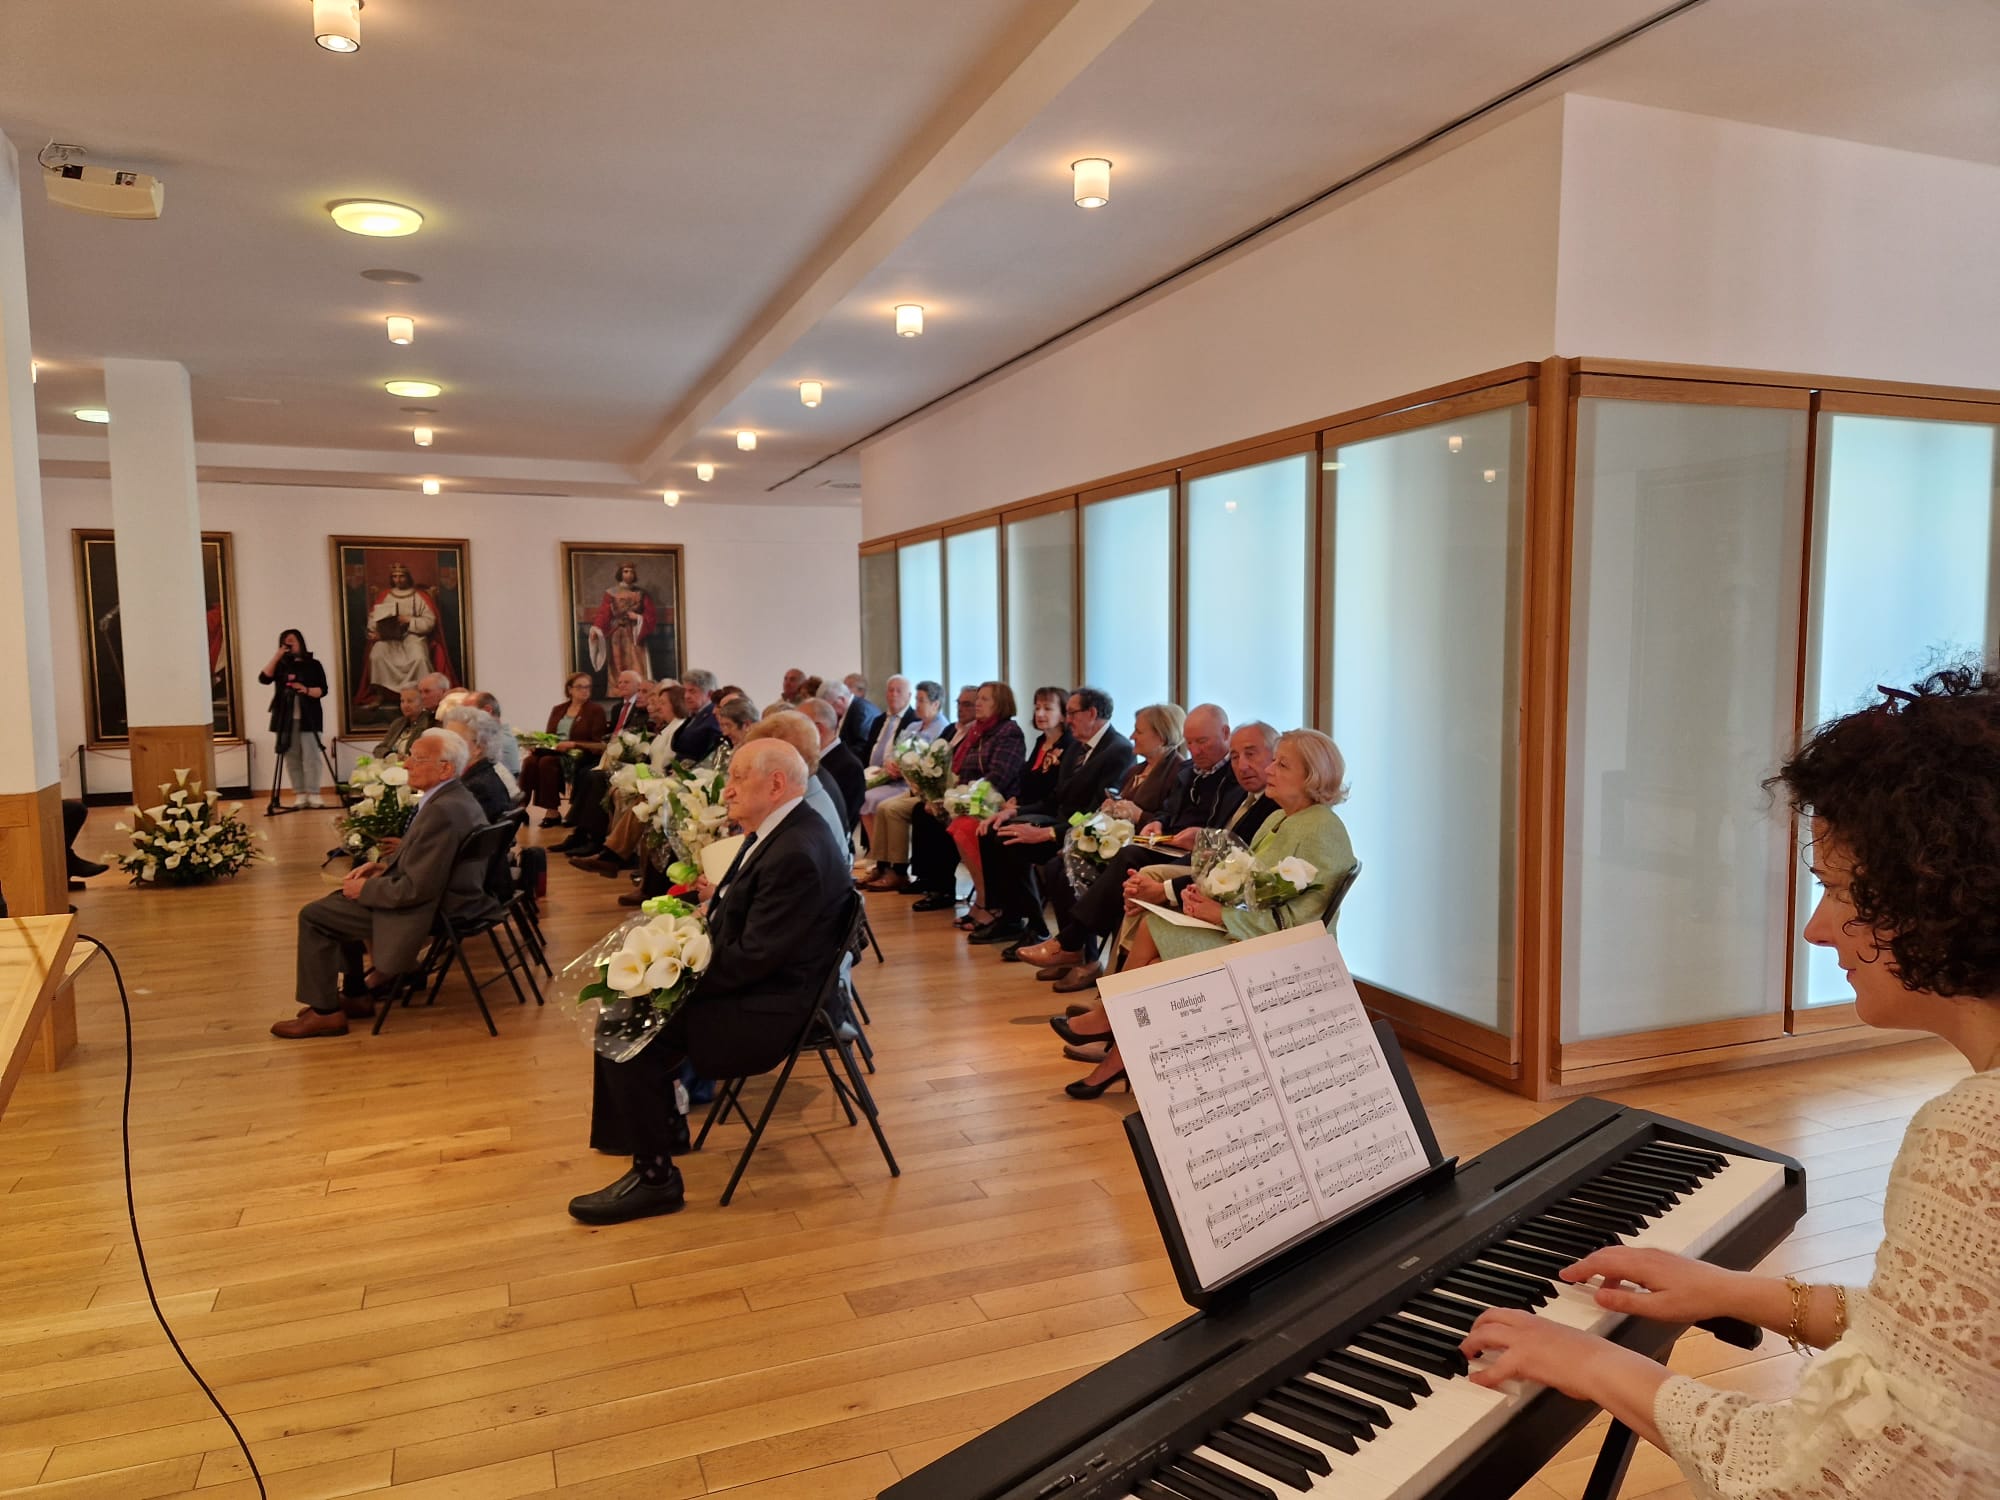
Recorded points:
1087,776
838,762
1038,781
697,736
306,671
857,727
1201,799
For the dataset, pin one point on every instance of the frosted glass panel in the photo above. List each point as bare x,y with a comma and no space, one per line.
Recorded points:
1905,519
1683,661
1127,594
972,604
881,646
920,609
1249,560
1041,606
1426,566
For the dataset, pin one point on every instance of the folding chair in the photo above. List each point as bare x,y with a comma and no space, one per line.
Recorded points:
450,934
1340,889
821,1033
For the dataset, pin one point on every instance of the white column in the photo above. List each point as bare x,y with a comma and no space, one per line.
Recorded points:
28,756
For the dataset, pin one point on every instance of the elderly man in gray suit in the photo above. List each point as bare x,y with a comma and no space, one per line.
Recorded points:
389,906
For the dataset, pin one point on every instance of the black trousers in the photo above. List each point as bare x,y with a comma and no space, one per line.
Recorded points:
933,855
632,1103
586,806
1017,873
1089,918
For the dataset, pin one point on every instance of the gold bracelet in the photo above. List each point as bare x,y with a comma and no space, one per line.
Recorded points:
1795,1334
1839,1310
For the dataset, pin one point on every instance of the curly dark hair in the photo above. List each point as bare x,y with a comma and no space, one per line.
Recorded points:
1910,790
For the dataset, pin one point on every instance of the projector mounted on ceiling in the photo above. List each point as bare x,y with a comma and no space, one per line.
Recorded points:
105,191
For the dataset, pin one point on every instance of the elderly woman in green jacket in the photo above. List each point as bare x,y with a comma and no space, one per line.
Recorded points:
1305,781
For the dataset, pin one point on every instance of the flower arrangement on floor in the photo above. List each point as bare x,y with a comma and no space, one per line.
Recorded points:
1091,843
926,767
380,806
189,839
1240,879
627,986
979,799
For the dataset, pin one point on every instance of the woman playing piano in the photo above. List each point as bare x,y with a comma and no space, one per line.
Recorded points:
1904,802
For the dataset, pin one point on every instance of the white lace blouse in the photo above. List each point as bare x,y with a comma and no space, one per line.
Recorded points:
1906,1406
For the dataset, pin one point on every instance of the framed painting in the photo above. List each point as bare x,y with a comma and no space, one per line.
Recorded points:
105,718
402,610
624,610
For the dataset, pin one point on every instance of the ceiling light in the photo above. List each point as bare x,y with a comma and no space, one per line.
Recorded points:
402,330
672,497
371,216
34,372
430,486
337,25
1093,181
746,440
1490,475
909,320
1330,465
1454,443
423,436
704,472
420,390
810,391
92,414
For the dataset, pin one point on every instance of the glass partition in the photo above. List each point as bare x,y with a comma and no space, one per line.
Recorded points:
1249,577
881,646
1903,563
920,611
1425,565
972,605
1128,599
1041,606
1683,659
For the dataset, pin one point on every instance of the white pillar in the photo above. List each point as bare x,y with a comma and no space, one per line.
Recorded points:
163,608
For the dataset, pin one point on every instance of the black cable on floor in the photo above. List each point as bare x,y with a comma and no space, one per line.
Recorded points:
132,1213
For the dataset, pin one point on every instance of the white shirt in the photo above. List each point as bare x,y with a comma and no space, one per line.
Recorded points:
1091,744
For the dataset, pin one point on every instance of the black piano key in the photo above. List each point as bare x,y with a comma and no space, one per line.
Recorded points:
1361,1415
1252,1454
1579,1212
1415,1328
1617,1197
1556,1238
1224,1483
1679,1182
1191,1486
1473,1284
1701,1163
1419,1356
1310,1459
1314,1424
1359,1372
1152,1489
1530,1260
1443,1310
1597,1236
1624,1177
1533,1284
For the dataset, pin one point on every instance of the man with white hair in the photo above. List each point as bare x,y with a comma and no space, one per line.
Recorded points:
839,771
775,926
388,905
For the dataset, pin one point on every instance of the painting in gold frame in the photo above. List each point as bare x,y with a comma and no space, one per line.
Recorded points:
98,617
624,608
402,610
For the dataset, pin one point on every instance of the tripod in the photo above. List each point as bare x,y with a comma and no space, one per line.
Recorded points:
272,809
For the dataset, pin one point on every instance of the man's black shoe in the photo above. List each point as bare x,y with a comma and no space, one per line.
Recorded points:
576,841
631,1197
1000,932
83,869
935,901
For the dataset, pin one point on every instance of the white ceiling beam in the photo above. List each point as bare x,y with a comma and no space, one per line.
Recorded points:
980,118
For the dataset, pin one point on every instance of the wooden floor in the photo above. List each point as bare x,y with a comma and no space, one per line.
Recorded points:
362,1243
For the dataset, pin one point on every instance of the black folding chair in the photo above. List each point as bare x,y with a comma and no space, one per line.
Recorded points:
450,934
822,1034
1340,889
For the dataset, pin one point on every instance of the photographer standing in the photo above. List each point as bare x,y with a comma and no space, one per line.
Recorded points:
295,713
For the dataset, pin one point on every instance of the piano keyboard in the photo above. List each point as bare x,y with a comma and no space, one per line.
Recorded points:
1390,1412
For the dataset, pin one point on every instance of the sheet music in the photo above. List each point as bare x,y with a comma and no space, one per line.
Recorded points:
1269,1102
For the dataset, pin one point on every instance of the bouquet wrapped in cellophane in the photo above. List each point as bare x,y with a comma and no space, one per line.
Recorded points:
1239,878
189,839
380,805
627,985
926,767
692,814
1093,840
976,799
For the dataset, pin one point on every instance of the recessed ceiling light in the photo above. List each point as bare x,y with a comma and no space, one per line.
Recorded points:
1092,178
1455,443
421,390
672,497
909,320
423,436
91,414
1490,475
402,330
704,472
810,392
337,24
391,278
746,440
374,217
430,486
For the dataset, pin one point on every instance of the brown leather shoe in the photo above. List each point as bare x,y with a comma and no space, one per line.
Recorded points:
1049,954
312,1023
1077,980
888,880
1052,972
600,864
632,898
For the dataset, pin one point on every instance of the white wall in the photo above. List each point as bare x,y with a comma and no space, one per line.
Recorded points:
768,587
1442,272
1705,241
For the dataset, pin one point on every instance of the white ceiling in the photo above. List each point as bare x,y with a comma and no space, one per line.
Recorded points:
648,219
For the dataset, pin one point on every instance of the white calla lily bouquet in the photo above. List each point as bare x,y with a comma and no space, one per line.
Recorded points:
191,838
627,986
380,805
1093,840
978,799
1239,878
691,814
926,767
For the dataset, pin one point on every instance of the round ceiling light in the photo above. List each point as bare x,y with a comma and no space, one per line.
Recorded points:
402,330
746,440
420,390
337,24
92,414
704,472
374,217
1092,176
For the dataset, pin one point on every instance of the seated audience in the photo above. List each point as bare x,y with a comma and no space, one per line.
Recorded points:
1158,739
1305,781
734,715
803,735
793,689
1904,803
698,735
1022,850
668,713
858,719
388,905
893,817
776,926
589,812
921,719
507,757
993,750
411,720
482,734
578,723
837,766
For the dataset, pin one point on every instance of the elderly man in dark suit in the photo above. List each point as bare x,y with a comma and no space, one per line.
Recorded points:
838,769
389,906
858,716
776,925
